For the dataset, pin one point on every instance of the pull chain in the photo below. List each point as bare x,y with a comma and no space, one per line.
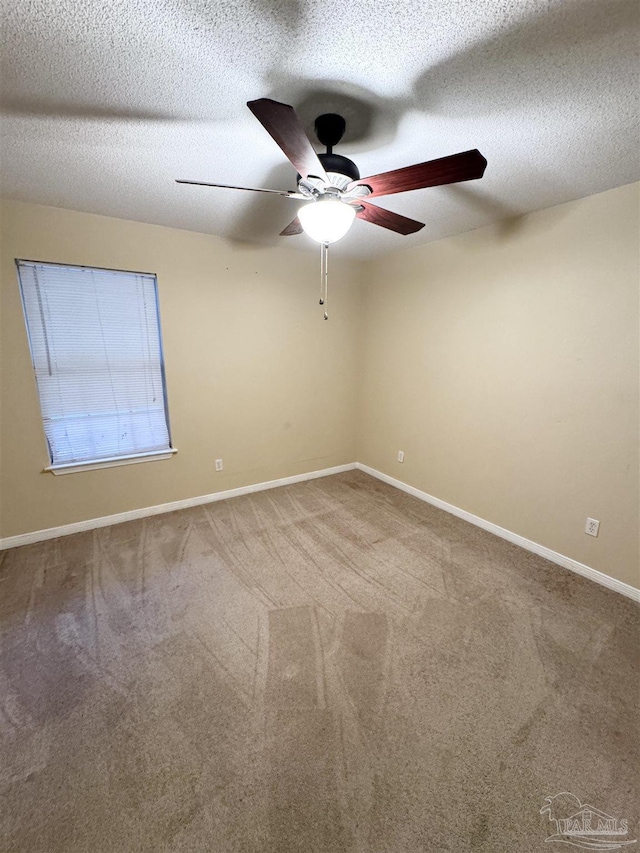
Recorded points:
321,273
324,276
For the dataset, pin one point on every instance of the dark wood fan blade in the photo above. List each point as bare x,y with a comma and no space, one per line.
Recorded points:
282,123
285,193
385,218
466,166
294,227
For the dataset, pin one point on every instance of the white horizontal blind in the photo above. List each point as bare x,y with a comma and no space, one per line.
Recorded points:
96,349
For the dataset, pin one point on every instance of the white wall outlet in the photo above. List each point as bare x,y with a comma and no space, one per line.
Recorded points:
219,465
592,526
401,456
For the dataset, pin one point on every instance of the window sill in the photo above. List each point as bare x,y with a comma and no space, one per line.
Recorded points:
94,464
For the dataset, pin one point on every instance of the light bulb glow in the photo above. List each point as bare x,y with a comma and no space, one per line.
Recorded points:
327,219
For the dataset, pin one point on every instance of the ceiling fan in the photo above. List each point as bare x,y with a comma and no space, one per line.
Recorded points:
330,185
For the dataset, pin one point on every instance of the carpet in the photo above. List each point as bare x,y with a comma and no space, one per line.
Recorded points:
330,666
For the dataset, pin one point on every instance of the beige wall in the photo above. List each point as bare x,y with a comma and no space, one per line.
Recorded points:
254,374
504,362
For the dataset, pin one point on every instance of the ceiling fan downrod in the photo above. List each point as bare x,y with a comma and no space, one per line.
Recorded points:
330,129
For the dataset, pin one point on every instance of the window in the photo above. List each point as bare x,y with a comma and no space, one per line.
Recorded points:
97,353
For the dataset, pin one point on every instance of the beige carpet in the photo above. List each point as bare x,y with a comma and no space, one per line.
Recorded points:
332,666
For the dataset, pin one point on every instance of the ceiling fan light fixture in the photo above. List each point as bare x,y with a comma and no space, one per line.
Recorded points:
327,219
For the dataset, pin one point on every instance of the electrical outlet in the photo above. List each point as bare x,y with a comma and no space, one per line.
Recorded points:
592,526
401,456
219,465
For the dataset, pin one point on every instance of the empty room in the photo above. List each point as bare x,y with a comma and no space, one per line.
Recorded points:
319,426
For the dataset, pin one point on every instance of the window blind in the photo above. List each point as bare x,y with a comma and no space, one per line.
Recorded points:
97,353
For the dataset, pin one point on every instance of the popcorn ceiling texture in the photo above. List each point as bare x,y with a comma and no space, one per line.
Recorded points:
105,102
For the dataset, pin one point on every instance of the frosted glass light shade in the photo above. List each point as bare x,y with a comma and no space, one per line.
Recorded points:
326,220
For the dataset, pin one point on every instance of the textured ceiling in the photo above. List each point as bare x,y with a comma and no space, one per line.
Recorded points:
105,102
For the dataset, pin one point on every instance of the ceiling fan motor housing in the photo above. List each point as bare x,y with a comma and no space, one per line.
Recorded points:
341,165
340,172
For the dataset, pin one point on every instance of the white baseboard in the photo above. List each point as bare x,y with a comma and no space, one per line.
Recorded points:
132,515
516,539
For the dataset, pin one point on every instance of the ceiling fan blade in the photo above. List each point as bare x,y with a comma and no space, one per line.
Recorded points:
385,218
285,193
282,123
294,227
466,166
